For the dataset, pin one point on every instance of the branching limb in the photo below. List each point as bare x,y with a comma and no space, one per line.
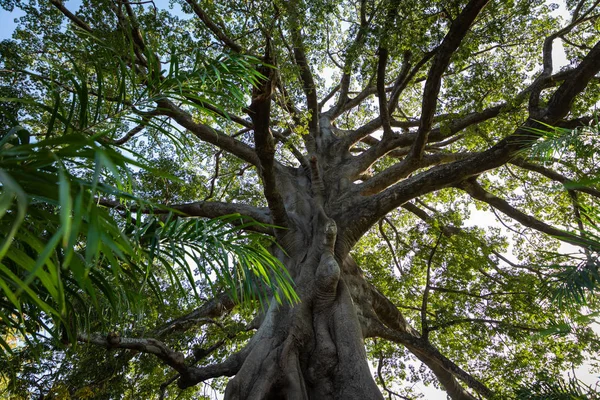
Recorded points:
308,82
229,367
478,296
199,354
383,106
214,308
402,169
146,118
396,329
382,381
484,321
381,148
547,61
424,323
446,371
553,175
390,246
458,30
438,134
174,359
205,209
207,134
67,13
383,53
403,78
372,208
329,96
351,56
218,111
478,193
260,112
214,28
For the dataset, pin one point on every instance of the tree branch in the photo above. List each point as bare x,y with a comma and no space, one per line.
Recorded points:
214,308
547,63
75,19
260,112
484,321
553,175
477,192
399,331
208,134
229,367
214,28
308,83
174,359
344,84
205,209
458,29
381,68
402,169
372,208
424,325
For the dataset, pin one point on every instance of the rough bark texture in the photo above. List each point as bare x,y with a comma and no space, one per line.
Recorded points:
314,350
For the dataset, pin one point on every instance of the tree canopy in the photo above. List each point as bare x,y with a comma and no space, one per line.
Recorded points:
174,159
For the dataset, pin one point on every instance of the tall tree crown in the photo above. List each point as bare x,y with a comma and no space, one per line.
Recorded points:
362,135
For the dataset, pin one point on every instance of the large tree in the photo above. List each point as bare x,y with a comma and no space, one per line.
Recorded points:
373,128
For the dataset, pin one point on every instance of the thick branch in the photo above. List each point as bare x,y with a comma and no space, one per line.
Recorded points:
351,56
172,358
372,208
214,28
381,148
205,209
308,82
459,28
402,169
547,64
478,193
207,134
381,68
260,112
75,19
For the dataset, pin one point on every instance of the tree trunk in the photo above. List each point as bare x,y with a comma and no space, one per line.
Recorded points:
314,350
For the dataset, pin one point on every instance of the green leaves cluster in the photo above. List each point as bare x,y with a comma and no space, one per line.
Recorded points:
69,263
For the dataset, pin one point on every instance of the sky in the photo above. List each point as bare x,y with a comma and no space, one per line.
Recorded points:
8,25
7,22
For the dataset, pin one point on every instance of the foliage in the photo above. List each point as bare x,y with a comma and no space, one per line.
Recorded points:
98,92
69,264
557,389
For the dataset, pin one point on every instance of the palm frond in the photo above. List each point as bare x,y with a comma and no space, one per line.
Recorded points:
557,388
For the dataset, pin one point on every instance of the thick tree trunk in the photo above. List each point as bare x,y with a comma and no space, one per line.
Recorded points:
314,350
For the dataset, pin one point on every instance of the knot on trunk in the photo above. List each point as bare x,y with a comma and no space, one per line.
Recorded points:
328,271
330,235
327,274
